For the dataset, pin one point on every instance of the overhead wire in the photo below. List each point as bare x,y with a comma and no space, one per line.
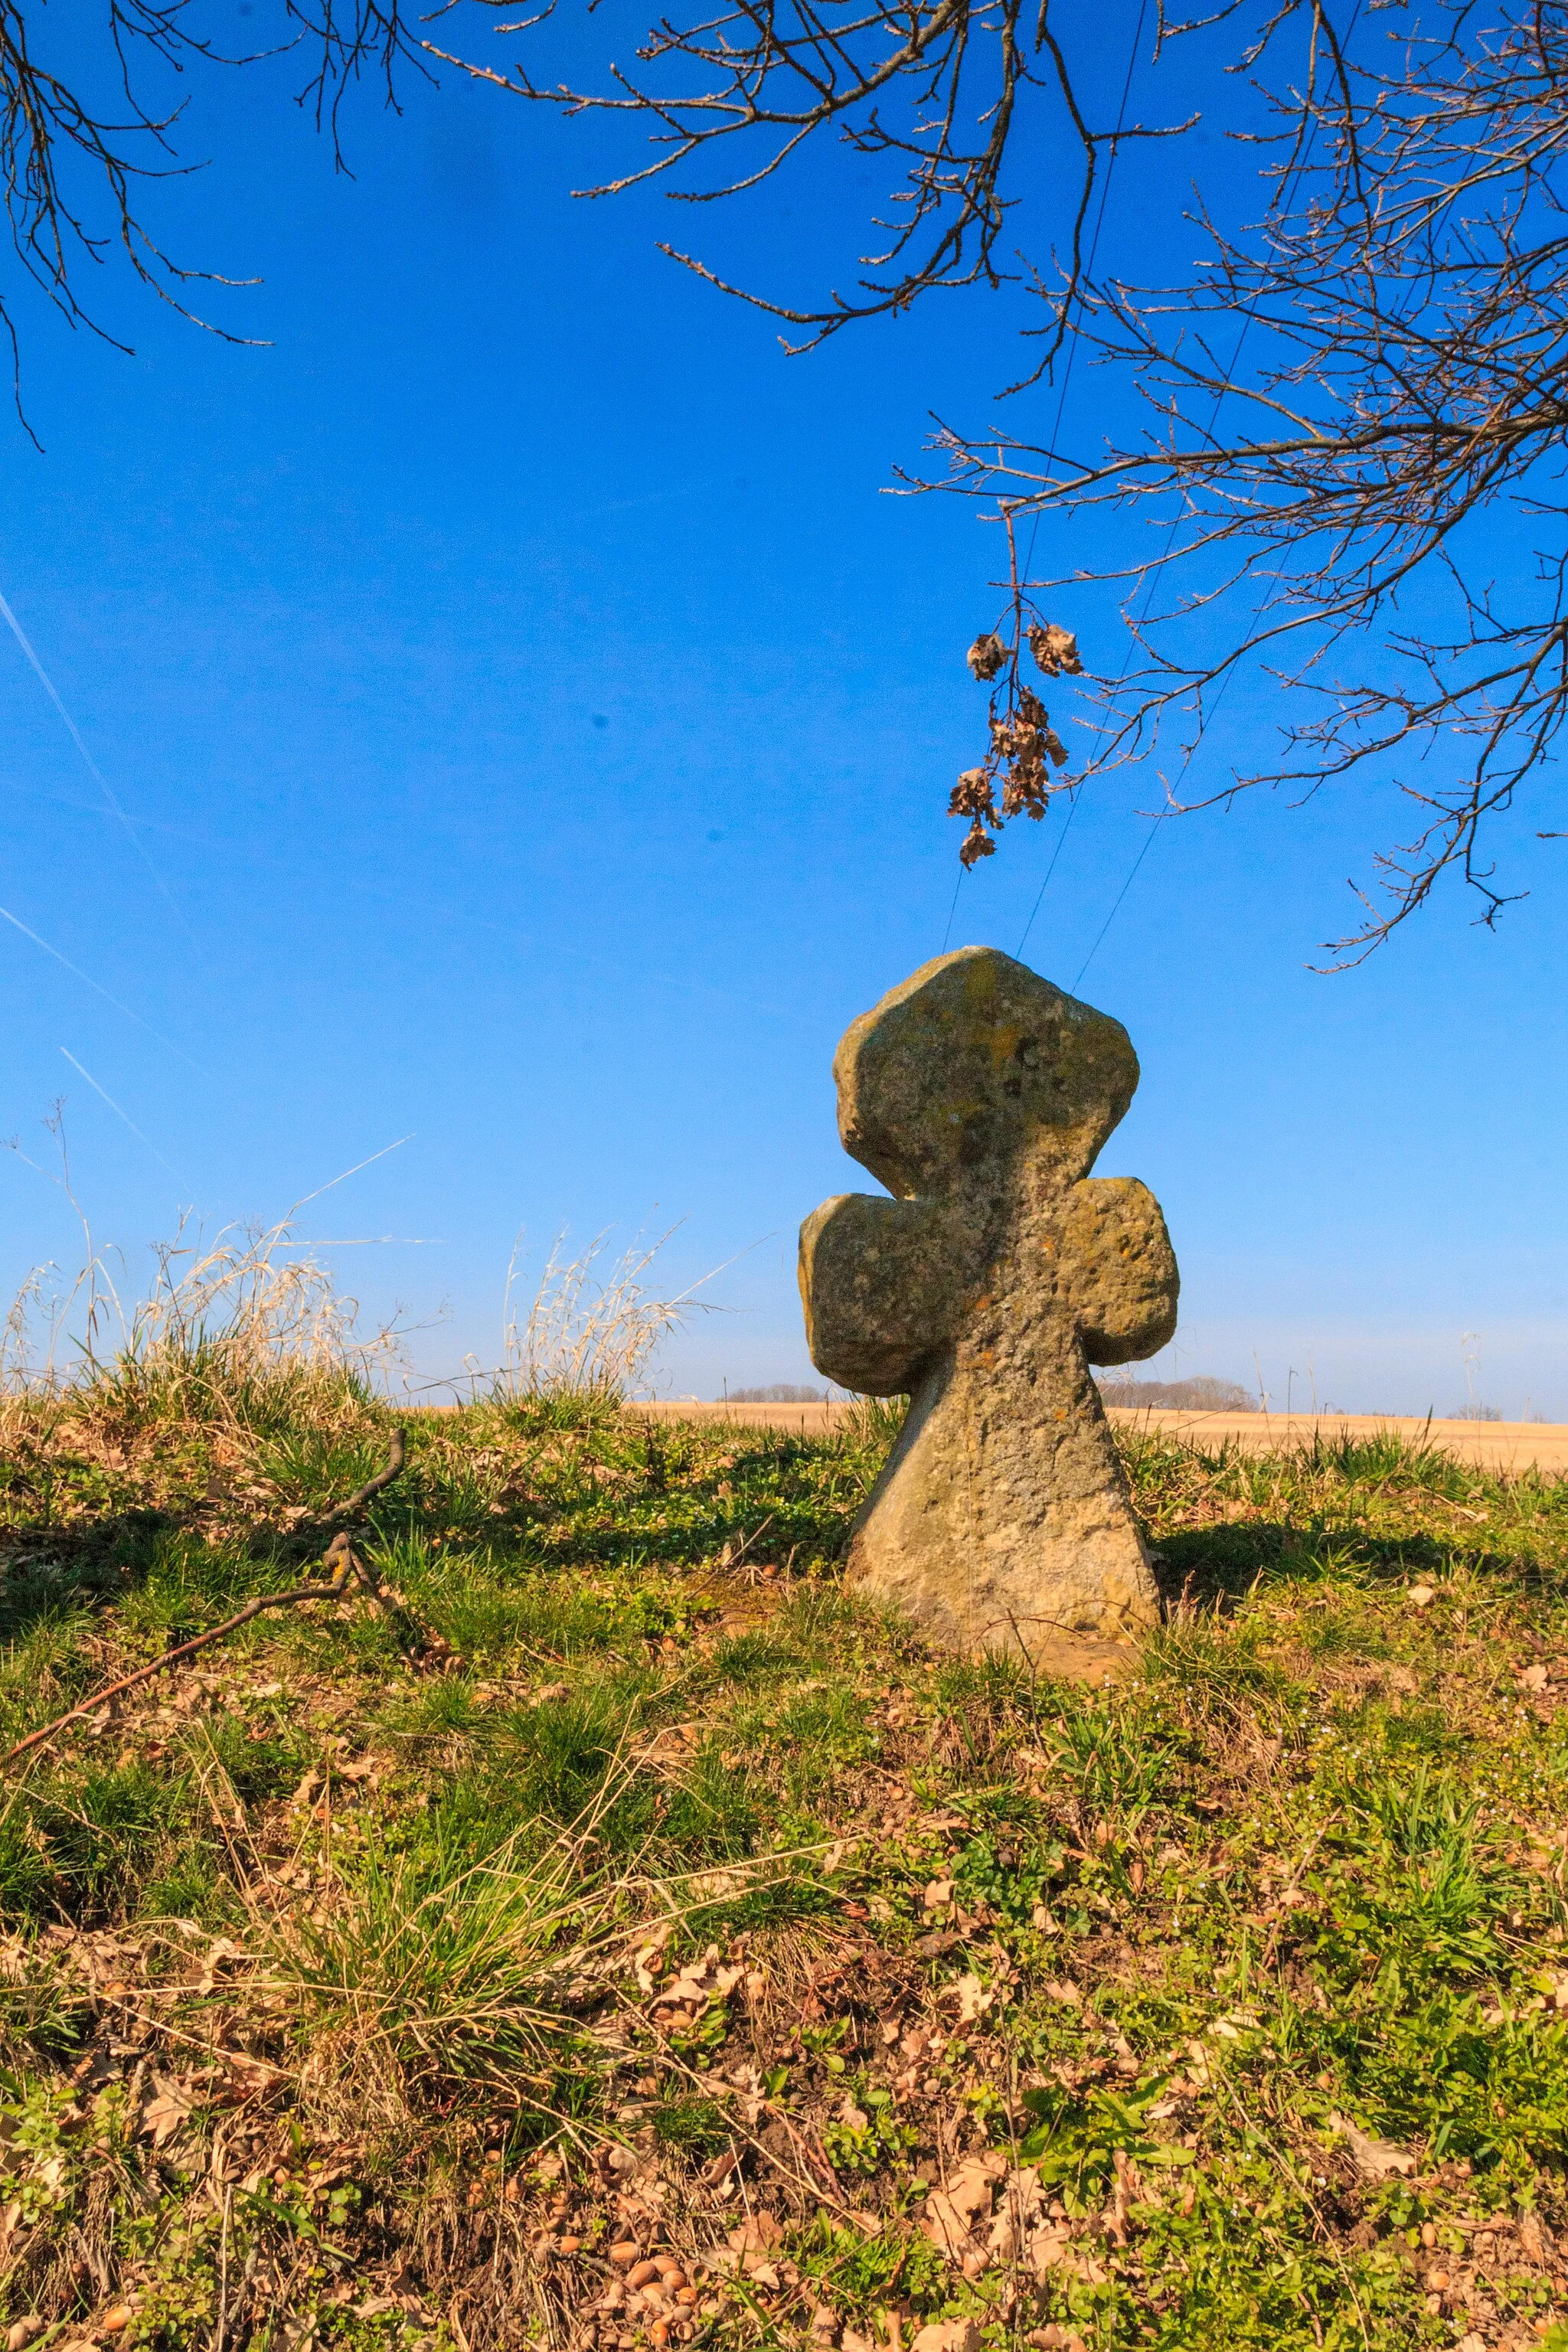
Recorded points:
1205,717
1055,430
1061,406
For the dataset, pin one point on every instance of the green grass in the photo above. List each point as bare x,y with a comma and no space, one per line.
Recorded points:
342,1993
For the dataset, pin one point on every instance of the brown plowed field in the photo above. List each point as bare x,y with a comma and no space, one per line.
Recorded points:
1509,1445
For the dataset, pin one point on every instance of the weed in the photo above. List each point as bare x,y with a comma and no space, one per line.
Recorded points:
456,1971
698,2128
586,1338
872,1426
864,2274
1075,2144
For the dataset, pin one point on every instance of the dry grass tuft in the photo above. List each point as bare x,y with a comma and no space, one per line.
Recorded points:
240,1330
593,1326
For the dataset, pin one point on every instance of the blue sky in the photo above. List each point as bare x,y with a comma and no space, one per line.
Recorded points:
533,721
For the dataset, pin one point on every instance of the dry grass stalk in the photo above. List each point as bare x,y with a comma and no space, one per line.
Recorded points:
347,1573
588,1333
230,1329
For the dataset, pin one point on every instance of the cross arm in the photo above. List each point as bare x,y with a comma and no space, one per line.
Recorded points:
877,1283
1121,1268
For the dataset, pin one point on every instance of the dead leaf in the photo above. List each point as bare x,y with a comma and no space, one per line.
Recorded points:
974,2000
1420,1596
948,2335
1017,2208
1049,2248
163,2115
219,1950
1373,2158
1534,1678
749,2247
952,2211
648,1965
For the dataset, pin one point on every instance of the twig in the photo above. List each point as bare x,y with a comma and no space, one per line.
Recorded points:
222,2271
739,2131
347,1570
332,1591
735,1558
395,1456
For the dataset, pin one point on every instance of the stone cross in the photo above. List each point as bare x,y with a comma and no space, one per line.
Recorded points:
980,1095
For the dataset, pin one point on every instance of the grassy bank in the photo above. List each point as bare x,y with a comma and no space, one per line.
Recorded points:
663,1950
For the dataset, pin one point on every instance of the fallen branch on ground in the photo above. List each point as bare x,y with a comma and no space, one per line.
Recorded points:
397,1454
348,1572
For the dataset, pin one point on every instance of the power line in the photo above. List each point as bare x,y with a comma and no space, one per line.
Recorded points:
1056,433
1226,383
953,909
1136,862
1061,408
1094,247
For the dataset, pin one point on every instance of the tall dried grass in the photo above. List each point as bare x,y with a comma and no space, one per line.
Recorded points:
250,1331
239,1328
591,1328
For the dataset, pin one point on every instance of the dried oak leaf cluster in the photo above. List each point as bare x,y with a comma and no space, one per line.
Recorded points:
1022,738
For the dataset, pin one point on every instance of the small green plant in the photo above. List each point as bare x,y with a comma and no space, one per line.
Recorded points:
865,2274
1074,2142
1120,1759
697,2127
825,2044
869,2134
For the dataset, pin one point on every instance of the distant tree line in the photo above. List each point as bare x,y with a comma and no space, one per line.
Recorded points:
778,1392
1201,1394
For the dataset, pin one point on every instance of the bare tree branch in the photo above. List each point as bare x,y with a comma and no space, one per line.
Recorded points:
74,176
930,89
1343,406
1360,388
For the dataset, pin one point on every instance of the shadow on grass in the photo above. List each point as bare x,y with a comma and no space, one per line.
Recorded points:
1215,1568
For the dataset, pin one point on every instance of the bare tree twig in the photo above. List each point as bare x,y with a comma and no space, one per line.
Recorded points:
395,1458
1341,408
347,1571
72,173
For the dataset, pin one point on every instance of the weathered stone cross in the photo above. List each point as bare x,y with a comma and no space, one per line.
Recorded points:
980,1095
